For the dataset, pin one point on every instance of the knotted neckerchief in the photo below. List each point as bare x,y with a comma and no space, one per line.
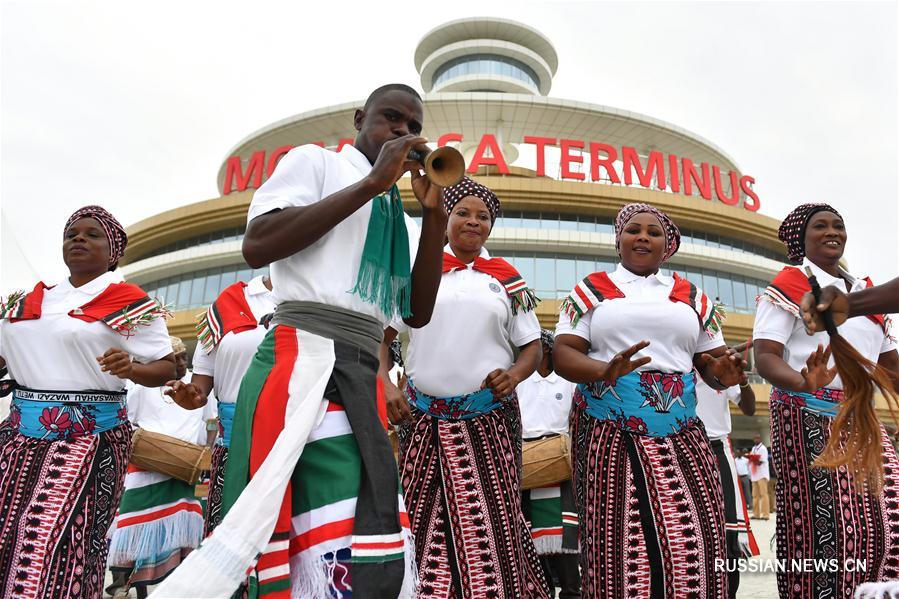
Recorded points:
385,274
520,295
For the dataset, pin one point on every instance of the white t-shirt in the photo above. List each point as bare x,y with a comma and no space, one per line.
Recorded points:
471,333
59,353
644,313
713,409
776,324
326,271
152,410
759,471
742,464
544,404
229,360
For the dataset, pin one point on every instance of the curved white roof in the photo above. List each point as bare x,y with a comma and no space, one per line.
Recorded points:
486,28
510,116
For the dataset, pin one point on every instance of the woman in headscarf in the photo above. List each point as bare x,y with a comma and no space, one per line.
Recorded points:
822,513
649,498
228,334
460,437
66,444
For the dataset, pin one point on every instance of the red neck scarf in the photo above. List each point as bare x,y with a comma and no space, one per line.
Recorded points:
520,295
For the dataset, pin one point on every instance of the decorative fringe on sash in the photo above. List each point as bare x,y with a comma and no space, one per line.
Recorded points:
13,304
205,336
316,577
159,538
141,313
524,299
716,318
551,545
376,285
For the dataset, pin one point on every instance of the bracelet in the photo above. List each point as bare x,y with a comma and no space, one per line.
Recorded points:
745,385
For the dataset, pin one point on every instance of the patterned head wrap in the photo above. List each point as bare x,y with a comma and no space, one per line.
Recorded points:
672,233
547,338
792,229
177,345
115,233
466,187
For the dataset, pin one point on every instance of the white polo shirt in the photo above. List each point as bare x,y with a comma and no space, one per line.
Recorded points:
59,353
644,313
713,408
742,464
760,470
544,404
229,360
152,410
326,271
776,324
471,333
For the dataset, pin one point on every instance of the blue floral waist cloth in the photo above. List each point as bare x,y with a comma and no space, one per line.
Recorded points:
649,403
461,407
226,423
823,402
55,415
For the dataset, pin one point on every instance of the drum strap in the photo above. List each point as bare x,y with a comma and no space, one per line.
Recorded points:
55,415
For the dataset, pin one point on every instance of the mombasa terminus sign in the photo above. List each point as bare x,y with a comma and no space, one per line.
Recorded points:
606,163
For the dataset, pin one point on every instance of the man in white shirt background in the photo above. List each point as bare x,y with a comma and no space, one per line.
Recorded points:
760,475
545,401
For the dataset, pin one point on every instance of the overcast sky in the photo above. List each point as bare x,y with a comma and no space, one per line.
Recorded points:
134,105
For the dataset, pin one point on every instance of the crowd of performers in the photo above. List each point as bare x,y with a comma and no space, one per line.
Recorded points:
306,498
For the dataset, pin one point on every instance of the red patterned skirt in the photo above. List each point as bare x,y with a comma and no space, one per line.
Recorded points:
213,515
820,517
651,512
462,482
58,500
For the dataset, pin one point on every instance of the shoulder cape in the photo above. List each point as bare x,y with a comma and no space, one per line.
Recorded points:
598,287
121,306
790,284
520,295
229,312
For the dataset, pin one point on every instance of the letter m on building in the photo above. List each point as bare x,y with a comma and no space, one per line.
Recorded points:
236,178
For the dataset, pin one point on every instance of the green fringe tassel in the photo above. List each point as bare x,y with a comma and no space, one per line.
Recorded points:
129,325
716,319
372,286
525,300
11,303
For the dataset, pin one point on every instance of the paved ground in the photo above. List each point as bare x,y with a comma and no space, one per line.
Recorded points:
752,586
756,585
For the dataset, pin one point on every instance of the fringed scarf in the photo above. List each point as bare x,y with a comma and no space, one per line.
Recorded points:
598,287
229,312
385,274
520,295
121,306
790,284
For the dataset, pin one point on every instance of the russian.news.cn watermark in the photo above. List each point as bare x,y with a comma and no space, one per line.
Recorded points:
773,566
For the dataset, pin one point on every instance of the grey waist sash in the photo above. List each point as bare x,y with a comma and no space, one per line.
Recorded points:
332,322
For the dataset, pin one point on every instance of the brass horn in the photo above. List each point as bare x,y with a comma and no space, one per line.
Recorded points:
444,166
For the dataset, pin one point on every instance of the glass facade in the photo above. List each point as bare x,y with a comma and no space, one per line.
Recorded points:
232,234
486,64
200,288
551,275
599,224
554,275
